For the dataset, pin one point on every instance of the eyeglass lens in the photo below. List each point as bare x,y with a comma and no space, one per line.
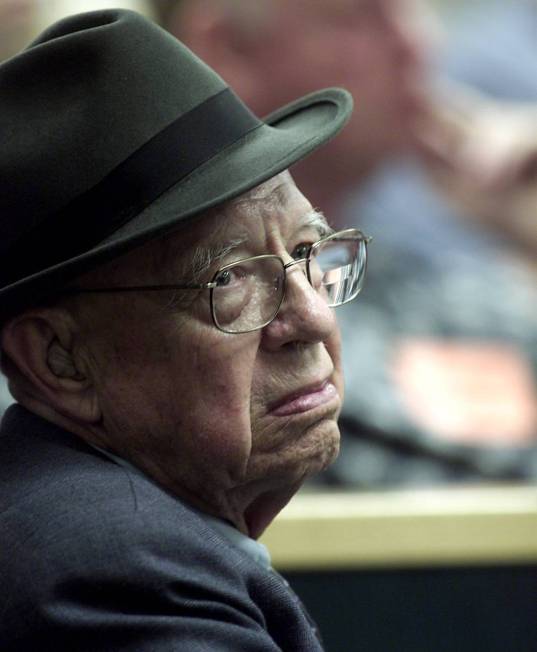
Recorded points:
337,269
249,293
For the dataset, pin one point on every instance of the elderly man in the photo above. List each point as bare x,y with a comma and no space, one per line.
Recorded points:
168,333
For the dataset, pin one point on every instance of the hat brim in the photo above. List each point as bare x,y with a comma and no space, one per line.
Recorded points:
286,136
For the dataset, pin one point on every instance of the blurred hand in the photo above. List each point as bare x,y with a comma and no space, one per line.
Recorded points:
482,154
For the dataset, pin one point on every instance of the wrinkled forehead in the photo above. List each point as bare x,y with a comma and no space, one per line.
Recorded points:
274,209
270,199
276,202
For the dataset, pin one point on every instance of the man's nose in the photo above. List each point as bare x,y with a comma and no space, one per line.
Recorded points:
304,315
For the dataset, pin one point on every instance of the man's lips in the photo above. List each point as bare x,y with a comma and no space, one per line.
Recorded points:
305,399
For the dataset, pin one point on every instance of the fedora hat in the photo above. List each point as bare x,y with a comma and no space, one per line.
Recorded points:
113,133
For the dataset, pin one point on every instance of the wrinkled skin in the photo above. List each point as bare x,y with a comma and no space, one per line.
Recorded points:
194,407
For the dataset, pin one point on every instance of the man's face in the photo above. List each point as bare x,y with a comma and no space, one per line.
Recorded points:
371,47
221,419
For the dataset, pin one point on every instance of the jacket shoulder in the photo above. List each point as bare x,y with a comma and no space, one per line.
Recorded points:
93,552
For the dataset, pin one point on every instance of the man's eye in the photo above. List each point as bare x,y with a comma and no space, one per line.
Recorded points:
301,251
223,278
230,276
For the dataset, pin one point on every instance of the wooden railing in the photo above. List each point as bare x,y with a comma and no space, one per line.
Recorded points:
436,527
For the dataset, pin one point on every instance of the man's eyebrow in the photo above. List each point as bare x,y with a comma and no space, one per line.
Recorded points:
205,256
315,219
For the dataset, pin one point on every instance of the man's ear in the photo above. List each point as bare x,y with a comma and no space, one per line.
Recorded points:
40,345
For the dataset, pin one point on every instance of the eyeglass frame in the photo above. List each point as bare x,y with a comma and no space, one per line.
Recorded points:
212,284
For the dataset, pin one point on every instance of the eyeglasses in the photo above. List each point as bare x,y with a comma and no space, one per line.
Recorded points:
246,295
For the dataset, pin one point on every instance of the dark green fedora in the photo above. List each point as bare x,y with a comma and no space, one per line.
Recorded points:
113,133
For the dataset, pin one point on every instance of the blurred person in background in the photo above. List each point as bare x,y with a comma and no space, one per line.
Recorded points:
272,48
442,361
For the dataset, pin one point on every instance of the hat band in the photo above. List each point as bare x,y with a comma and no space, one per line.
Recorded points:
171,155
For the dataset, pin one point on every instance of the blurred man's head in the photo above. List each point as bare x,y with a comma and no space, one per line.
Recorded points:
274,50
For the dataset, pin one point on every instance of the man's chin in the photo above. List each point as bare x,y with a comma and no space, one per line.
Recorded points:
331,452
324,449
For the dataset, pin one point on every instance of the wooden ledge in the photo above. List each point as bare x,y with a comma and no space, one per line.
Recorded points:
410,528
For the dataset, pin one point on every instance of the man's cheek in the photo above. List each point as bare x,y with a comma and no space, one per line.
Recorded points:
227,421
333,346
